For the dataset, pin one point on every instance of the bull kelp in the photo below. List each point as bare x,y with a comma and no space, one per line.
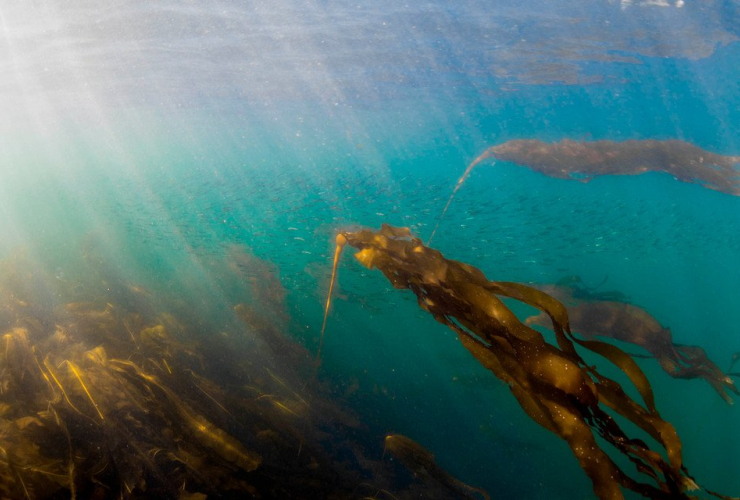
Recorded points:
583,161
551,381
592,316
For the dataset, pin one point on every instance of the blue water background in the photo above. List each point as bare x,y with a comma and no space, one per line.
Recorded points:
166,173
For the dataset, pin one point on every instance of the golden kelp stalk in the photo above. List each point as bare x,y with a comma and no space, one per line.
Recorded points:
583,161
459,184
552,383
632,324
341,241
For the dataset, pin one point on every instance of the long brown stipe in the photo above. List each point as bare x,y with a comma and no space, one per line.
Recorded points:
488,153
341,241
47,364
76,373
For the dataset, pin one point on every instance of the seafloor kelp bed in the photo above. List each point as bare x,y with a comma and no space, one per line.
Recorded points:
551,381
112,390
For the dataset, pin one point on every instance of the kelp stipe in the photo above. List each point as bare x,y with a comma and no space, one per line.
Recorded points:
340,241
488,153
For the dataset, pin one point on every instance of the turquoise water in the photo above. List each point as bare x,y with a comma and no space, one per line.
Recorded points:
275,127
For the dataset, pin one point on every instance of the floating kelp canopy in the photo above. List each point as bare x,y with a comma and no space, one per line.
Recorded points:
551,382
110,389
628,323
583,161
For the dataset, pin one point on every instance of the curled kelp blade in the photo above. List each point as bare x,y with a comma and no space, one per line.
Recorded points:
552,383
558,315
646,418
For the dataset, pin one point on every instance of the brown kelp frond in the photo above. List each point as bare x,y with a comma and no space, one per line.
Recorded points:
285,386
421,462
594,317
583,161
552,383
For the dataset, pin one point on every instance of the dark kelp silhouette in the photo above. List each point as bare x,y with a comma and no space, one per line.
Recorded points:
552,383
583,161
629,323
421,462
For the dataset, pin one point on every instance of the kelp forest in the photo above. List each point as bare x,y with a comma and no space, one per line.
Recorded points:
110,388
